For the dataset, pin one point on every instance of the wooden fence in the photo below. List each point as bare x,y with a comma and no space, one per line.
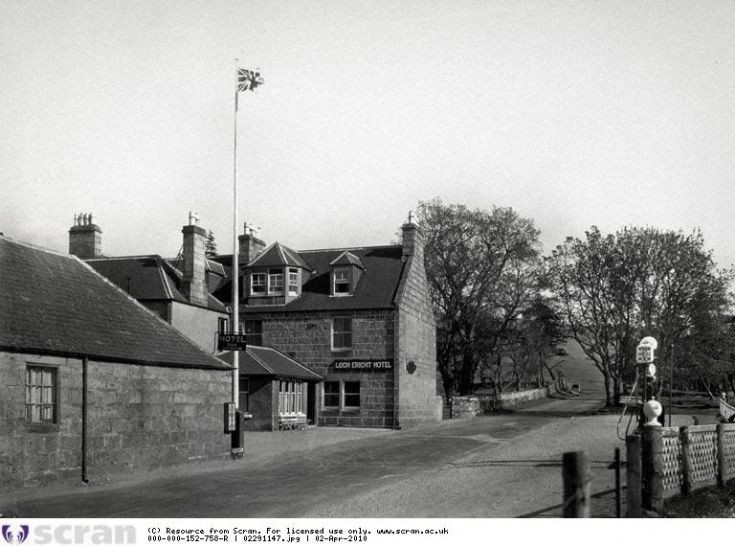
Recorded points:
678,461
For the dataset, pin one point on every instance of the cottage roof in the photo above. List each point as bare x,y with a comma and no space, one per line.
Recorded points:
151,278
265,361
55,304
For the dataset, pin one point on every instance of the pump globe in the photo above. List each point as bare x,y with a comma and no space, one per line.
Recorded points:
652,409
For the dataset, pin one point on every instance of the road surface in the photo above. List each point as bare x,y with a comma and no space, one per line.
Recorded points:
504,465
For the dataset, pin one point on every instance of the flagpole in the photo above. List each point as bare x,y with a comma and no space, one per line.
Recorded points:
235,262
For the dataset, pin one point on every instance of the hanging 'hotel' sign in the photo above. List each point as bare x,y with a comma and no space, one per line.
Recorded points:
361,365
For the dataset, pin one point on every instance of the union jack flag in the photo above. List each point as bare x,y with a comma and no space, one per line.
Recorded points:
248,80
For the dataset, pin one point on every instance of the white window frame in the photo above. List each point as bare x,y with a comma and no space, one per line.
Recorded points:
291,397
345,279
293,281
341,333
44,395
262,278
275,275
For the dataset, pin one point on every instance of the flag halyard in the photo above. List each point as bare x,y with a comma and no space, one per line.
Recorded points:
248,80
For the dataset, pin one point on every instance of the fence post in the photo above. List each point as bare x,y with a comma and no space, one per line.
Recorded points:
633,475
618,486
577,478
686,467
721,458
653,467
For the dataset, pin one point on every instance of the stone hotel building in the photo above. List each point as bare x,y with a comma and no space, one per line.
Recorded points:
360,318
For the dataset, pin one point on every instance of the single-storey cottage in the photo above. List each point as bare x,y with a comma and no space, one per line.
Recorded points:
91,382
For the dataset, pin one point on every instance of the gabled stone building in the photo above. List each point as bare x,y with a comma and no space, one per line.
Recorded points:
360,317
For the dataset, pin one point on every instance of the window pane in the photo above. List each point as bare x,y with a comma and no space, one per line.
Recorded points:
257,283
35,395
254,332
331,394
342,333
352,394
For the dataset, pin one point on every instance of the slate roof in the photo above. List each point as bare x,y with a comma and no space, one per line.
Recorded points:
264,361
375,290
55,304
149,278
278,255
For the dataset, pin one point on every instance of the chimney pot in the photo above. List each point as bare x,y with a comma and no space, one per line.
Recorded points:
85,240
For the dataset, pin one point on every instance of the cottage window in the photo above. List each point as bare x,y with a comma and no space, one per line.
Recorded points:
293,282
41,395
275,281
257,283
341,333
341,281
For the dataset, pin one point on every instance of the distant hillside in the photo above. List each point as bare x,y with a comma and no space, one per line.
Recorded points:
577,368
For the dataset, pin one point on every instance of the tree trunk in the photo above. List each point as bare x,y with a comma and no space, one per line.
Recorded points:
608,389
617,390
466,377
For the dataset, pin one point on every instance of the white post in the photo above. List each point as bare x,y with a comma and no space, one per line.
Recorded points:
235,329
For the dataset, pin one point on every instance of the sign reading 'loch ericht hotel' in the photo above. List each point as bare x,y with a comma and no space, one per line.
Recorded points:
361,365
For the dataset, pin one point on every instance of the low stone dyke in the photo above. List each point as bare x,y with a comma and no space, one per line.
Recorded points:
466,407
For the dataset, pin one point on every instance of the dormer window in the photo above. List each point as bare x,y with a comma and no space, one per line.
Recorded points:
293,281
257,284
341,281
275,282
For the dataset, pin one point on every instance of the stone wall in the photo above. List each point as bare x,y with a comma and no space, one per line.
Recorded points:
139,418
307,338
415,370
506,400
471,406
464,407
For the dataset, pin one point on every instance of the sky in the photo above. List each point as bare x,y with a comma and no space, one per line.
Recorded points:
572,113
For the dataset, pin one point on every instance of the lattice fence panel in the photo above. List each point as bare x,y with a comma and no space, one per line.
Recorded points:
702,456
729,440
673,475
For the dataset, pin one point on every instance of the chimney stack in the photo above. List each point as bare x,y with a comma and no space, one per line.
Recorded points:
194,281
85,237
250,246
413,242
